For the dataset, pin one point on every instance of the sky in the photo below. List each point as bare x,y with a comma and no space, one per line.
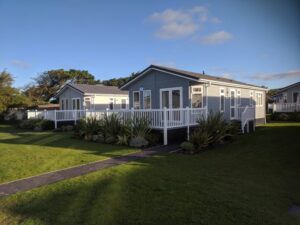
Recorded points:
251,41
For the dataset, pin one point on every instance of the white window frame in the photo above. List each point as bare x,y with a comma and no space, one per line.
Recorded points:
197,92
170,98
251,98
222,94
111,103
87,99
123,99
298,97
238,97
62,103
258,99
76,103
133,101
144,99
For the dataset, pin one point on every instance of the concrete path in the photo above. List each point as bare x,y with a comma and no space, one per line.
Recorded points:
52,177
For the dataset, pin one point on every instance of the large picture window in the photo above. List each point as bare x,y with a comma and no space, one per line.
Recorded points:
136,100
197,97
222,99
147,99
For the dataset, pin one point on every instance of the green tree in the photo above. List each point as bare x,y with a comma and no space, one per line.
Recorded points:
10,97
119,82
46,85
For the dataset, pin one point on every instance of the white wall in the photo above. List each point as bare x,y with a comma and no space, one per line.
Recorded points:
101,102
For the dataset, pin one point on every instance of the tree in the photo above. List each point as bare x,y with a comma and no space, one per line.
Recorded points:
47,84
119,82
10,97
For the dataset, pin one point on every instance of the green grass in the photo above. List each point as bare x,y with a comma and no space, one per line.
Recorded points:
24,154
254,180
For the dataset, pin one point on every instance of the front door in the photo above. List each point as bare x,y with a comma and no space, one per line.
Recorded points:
233,108
171,98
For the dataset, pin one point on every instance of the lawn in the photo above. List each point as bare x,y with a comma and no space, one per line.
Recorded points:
24,154
254,180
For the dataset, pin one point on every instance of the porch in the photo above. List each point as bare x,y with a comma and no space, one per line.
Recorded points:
161,119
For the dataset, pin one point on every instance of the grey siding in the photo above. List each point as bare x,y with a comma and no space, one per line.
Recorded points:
70,93
155,81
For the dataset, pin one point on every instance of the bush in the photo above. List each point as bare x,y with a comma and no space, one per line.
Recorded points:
285,116
138,142
188,147
110,128
211,130
152,138
37,124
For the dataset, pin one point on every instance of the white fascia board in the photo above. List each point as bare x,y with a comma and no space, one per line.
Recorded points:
174,74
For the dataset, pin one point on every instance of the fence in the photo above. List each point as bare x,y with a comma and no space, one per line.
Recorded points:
284,107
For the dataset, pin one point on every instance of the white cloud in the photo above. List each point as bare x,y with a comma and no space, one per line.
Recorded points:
215,20
216,38
179,23
227,75
277,76
20,64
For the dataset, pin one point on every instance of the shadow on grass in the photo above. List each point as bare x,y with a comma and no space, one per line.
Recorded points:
57,140
253,181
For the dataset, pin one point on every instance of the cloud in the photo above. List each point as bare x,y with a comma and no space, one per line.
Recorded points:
277,76
216,38
215,20
20,64
227,75
179,23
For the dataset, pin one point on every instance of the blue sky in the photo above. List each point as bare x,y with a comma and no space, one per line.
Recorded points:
252,41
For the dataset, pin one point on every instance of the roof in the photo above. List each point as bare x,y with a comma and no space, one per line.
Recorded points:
192,75
48,106
285,88
94,89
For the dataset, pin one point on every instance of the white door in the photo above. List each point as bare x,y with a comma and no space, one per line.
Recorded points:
171,98
233,111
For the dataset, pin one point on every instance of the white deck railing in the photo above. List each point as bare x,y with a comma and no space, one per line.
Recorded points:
247,114
159,118
284,107
180,117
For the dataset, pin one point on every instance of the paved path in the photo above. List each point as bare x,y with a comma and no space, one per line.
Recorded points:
52,177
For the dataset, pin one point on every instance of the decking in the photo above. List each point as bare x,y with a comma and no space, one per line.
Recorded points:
163,119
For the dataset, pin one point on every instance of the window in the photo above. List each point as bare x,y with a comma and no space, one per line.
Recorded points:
197,97
136,99
87,103
258,99
62,104
111,104
238,95
67,104
251,99
284,97
295,97
75,103
147,99
123,103
222,99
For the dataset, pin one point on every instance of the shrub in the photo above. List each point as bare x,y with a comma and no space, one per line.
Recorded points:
152,138
140,127
283,117
47,125
122,140
110,128
188,147
212,130
138,142
37,124
29,124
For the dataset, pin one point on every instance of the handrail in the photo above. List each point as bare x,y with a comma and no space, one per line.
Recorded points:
247,114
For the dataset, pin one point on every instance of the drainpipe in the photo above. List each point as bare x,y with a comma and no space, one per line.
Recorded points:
206,93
